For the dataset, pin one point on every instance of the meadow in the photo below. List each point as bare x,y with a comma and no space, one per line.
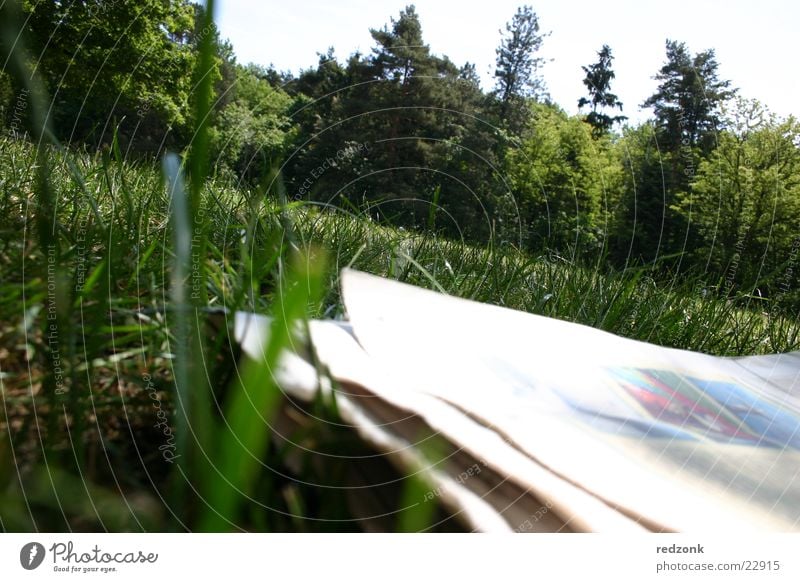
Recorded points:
124,407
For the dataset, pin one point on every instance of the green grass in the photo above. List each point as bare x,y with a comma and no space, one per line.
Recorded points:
82,436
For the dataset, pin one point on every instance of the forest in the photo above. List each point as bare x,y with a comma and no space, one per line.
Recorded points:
708,184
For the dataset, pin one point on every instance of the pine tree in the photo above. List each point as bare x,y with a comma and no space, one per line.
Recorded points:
598,82
688,99
518,65
403,124
686,107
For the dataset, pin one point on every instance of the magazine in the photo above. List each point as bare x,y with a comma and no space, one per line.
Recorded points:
547,425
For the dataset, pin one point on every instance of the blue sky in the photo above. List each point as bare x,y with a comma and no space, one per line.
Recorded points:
755,42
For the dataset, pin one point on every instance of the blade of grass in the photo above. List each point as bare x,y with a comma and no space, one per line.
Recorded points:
253,402
193,413
433,208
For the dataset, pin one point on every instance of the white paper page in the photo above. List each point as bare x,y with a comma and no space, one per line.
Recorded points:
692,442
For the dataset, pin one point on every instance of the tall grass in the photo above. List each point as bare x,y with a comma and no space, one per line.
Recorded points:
121,243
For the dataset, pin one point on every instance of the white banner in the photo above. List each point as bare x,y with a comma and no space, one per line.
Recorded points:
400,557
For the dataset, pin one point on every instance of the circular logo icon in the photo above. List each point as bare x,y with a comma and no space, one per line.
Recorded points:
31,555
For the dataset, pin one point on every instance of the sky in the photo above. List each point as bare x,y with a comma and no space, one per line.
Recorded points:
755,42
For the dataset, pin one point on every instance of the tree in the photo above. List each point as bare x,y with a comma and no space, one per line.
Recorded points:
560,177
388,97
252,130
316,92
470,74
642,222
688,100
518,65
403,129
320,82
745,199
105,62
598,82
686,107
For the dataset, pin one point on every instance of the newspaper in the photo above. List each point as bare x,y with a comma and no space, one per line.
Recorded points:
564,427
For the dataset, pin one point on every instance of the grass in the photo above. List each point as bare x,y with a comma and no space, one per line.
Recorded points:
81,447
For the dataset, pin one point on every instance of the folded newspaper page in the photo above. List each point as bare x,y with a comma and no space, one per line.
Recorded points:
553,426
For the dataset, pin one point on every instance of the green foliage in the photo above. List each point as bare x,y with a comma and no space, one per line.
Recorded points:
641,222
114,61
560,177
745,199
390,129
252,130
